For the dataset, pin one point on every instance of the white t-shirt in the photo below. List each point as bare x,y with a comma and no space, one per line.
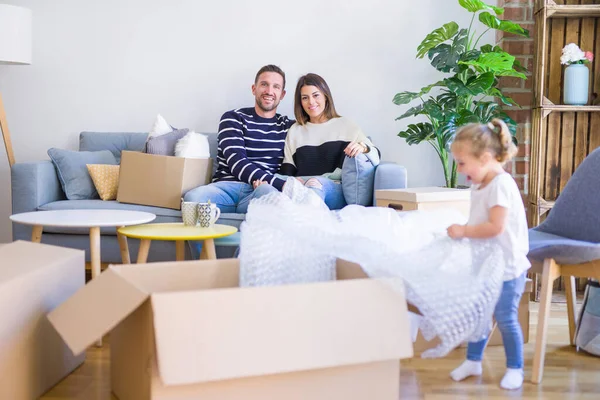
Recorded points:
503,191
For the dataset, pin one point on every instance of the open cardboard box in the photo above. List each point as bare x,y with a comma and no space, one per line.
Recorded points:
160,181
35,278
185,330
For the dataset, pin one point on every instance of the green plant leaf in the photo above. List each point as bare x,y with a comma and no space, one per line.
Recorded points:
412,112
505,99
405,97
447,100
501,61
444,57
507,26
485,111
475,85
416,133
436,37
434,109
511,72
469,55
478,5
517,66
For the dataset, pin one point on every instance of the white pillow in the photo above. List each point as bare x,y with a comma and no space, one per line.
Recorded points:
193,145
160,126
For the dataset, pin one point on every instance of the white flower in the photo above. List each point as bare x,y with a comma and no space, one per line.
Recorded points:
571,53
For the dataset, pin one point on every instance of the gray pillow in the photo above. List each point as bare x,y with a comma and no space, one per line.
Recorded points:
73,174
164,145
358,176
115,142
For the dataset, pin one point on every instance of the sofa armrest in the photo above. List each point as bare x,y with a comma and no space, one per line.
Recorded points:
389,175
34,184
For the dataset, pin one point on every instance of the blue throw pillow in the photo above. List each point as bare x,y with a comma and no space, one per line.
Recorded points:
73,174
358,176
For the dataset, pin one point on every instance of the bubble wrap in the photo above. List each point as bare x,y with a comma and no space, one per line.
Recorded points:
292,237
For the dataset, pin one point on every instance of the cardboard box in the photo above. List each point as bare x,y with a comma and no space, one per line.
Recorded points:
420,345
187,331
34,279
160,181
424,198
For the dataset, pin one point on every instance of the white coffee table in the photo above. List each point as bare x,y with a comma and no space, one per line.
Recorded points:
92,219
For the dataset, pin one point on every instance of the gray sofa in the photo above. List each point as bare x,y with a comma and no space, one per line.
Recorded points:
36,187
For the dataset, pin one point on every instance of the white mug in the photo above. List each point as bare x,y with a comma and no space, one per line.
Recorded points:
189,213
208,214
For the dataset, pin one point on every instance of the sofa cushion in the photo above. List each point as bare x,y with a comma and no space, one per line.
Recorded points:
73,174
106,179
358,175
115,142
164,145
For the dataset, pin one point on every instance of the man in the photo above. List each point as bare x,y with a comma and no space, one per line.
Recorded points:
250,148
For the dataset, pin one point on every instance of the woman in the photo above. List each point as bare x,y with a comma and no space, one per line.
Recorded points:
318,142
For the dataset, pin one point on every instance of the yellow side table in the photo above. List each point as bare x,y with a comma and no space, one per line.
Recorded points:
179,233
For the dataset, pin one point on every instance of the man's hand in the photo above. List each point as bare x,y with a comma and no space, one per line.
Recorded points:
355,148
258,182
457,231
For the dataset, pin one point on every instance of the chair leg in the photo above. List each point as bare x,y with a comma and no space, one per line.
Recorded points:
571,304
551,271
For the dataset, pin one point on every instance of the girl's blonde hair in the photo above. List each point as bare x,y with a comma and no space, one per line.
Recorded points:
493,137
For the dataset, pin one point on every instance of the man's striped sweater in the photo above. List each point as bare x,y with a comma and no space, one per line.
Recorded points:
251,147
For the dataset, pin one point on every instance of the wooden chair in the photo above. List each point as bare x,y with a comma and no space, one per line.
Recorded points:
567,244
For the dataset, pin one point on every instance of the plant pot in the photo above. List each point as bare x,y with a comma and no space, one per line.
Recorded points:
577,78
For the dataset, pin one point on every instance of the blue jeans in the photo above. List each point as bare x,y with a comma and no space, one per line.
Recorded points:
507,317
330,192
230,197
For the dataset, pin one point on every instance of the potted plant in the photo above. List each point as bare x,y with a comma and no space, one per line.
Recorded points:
467,94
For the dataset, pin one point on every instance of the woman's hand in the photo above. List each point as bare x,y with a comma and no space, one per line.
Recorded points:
456,231
355,148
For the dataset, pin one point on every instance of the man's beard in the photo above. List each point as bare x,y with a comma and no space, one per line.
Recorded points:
260,105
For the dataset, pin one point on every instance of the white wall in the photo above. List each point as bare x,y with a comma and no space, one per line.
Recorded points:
112,65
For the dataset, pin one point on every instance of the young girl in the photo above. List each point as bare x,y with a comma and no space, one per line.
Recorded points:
496,211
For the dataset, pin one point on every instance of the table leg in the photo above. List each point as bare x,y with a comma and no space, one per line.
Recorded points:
95,258
143,251
125,259
36,233
208,250
180,250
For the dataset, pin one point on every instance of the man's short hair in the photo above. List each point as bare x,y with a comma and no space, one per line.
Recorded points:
270,68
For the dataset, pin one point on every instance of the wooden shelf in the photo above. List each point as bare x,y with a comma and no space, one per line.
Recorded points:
573,11
567,108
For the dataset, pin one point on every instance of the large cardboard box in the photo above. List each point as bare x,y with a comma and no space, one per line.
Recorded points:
424,198
160,181
187,331
34,279
420,345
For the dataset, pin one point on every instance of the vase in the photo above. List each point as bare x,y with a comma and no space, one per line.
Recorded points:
577,78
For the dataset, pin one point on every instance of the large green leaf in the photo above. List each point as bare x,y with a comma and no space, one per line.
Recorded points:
507,26
416,133
440,35
475,85
405,97
496,61
511,72
505,99
444,57
478,5
412,112
485,111
469,55
433,109
447,100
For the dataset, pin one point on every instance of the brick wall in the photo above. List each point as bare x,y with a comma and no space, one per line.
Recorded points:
521,12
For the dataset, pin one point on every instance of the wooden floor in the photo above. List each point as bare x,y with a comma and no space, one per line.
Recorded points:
568,374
